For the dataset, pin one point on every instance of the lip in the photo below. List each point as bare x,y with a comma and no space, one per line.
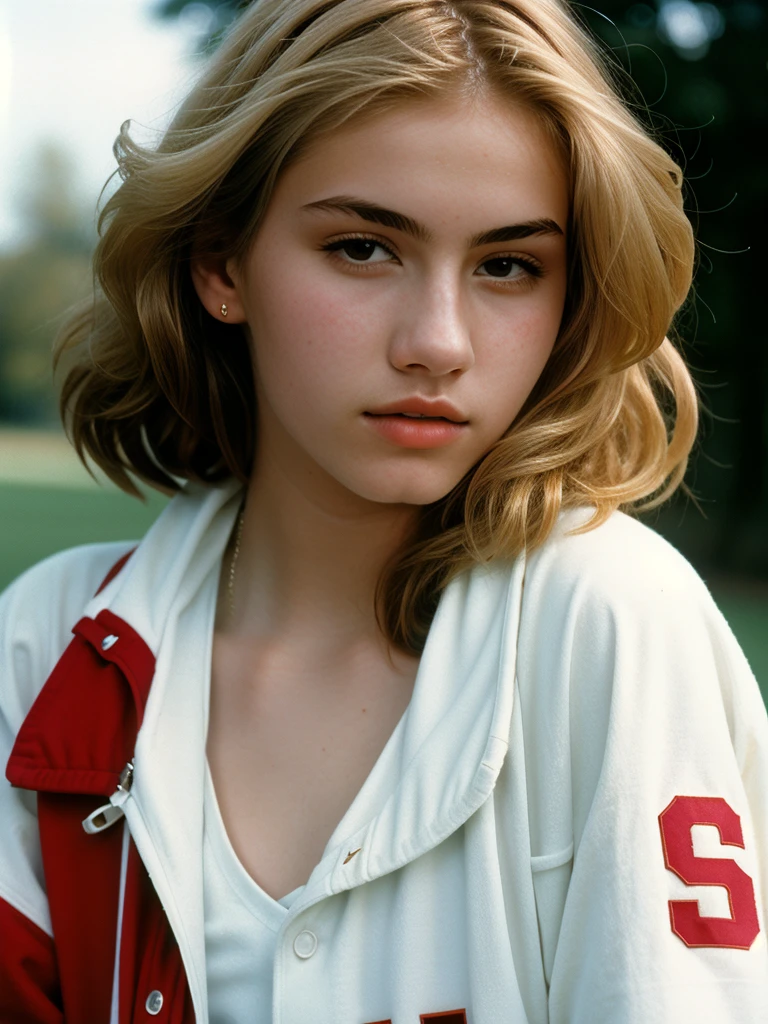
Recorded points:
419,405
415,433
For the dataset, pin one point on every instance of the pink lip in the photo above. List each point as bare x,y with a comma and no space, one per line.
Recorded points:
414,433
417,404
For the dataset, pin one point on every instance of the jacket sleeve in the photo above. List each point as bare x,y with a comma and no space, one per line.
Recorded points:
661,755
36,615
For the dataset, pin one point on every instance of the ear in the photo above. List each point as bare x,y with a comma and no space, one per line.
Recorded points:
215,287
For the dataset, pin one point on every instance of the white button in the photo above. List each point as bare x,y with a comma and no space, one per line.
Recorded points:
154,1003
305,944
106,643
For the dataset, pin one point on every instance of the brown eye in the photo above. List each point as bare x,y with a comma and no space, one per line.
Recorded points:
358,249
502,267
512,268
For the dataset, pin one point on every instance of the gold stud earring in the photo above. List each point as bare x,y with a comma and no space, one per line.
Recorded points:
224,309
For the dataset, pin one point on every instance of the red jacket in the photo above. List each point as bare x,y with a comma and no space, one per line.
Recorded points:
98,691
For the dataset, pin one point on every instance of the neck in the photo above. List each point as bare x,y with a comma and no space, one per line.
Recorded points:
309,560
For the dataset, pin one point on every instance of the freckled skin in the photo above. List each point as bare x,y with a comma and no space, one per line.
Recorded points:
344,316
332,339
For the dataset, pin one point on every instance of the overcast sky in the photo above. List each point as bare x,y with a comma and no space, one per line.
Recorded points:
73,71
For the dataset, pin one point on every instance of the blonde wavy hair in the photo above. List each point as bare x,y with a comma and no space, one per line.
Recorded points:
154,389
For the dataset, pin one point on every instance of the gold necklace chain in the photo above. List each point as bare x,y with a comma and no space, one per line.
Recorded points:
233,563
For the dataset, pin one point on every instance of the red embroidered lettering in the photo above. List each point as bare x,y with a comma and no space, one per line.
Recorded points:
741,929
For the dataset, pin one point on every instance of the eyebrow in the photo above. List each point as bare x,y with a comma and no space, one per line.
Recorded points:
390,218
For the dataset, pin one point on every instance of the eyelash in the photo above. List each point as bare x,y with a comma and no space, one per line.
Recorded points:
532,267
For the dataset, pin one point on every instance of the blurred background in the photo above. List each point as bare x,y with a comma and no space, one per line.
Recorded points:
70,74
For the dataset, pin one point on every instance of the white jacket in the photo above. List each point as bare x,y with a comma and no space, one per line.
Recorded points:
582,724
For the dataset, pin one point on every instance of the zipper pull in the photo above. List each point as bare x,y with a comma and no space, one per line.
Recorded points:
108,814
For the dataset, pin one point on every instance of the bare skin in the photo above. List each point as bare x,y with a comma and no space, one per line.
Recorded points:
305,691
293,734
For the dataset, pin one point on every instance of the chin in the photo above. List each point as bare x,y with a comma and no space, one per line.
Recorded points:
412,491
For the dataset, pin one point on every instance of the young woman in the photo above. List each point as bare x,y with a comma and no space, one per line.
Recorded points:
395,714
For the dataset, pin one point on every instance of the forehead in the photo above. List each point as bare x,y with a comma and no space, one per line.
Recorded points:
426,155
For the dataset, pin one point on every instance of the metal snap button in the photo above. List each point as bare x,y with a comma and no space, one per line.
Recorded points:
154,1003
109,641
305,944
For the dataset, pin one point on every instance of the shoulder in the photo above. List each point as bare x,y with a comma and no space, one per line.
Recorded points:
37,613
616,623
630,681
620,566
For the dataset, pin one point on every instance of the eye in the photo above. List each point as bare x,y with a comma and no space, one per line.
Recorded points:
356,251
512,268
359,249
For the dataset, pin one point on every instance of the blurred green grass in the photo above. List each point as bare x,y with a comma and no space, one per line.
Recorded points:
746,610
38,520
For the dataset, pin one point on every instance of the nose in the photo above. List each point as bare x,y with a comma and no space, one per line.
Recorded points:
432,331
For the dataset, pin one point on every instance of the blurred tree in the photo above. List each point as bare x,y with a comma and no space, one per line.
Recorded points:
209,19
39,280
701,68
51,206
699,74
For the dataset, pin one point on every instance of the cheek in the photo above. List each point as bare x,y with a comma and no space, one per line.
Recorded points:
513,362
304,315
309,346
523,345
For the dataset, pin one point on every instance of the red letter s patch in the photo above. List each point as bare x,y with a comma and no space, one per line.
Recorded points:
742,928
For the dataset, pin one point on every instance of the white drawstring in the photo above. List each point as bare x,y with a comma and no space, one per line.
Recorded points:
108,814
115,1009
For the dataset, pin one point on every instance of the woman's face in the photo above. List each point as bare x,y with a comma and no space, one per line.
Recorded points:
352,308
